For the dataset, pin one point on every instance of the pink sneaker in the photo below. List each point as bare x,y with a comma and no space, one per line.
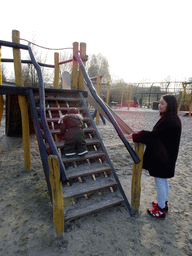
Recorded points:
157,212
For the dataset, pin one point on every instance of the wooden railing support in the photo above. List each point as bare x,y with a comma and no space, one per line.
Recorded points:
75,67
57,195
136,179
56,77
81,77
22,101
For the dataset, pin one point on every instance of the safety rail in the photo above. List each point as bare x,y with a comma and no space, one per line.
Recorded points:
42,114
25,47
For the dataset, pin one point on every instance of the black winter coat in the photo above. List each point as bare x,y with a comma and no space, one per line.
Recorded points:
162,146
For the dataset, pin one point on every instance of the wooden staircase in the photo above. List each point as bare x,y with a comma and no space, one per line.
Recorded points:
93,184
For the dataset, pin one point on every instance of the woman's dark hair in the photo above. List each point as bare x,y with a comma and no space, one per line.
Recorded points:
171,104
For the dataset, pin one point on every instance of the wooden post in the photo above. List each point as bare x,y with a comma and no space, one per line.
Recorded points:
122,96
22,101
130,95
97,90
75,67
56,77
184,94
136,179
1,96
57,195
81,77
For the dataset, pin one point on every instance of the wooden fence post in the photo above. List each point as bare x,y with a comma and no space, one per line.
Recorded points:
22,101
136,179
81,77
57,195
56,77
75,67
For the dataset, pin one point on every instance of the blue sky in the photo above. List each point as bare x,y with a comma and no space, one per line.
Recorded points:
142,40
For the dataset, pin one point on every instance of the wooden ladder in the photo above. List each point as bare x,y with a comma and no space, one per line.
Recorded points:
92,185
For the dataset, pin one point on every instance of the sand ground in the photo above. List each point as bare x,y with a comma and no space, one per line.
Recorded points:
26,225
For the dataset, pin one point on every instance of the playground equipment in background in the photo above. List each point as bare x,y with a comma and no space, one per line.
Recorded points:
50,103
149,92
186,96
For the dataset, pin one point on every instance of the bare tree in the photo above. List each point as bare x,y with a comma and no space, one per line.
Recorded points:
4,72
99,65
29,73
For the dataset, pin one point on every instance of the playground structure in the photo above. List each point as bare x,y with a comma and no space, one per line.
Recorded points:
148,94
64,175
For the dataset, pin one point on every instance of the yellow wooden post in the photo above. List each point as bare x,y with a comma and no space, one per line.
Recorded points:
108,90
22,101
130,95
1,96
97,90
56,77
136,179
187,98
57,195
81,77
75,67
122,96
184,94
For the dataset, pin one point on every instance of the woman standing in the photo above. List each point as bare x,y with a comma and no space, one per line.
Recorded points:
162,146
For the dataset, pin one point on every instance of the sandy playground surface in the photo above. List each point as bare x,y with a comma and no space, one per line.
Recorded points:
26,225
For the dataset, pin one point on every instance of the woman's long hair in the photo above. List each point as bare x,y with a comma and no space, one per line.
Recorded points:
171,104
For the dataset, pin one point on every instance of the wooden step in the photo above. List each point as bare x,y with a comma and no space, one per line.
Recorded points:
56,119
90,155
63,99
99,204
86,130
81,109
59,98
89,142
82,172
78,189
